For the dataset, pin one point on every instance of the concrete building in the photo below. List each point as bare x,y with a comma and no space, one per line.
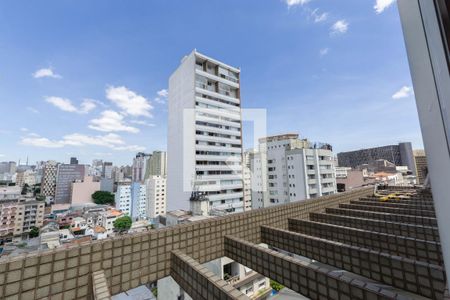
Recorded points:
67,174
400,155
139,171
247,182
204,135
18,214
288,169
421,165
48,185
107,169
8,167
131,199
107,185
28,177
82,190
158,164
156,196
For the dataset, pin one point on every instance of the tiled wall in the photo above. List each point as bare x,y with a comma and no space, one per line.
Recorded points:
305,278
406,274
131,260
416,249
409,230
200,283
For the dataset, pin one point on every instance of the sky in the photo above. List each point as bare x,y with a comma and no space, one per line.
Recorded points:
89,78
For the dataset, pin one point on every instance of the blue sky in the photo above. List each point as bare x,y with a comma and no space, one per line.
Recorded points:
88,78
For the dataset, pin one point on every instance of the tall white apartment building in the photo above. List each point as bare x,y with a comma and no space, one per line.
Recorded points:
131,199
204,136
156,196
158,163
288,169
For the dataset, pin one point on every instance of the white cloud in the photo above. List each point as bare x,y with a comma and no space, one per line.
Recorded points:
129,102
110,140
111,121
291,3
162,96
43,142
319,17
339,27
66,105
24,129
324,51
381,5
32,109
46,72
144,123
163,93
2,155
403,92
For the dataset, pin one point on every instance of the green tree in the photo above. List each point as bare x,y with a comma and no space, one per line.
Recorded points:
103,197
122,223
40,197
34,232
275,285
25,189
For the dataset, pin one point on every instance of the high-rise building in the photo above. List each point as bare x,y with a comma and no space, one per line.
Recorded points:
67,174
48,186
288,169
158,164
107,169
156,196
247,181
400,155
204,135
8,167
139,171
131,199
73,161
421,165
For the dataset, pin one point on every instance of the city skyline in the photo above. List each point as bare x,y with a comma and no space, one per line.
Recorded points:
97,102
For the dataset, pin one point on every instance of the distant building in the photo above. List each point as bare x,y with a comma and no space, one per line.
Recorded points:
19,214
106,185
140,166
8,167
48,185
348,178
82,190
421,165
156,196
28,177
107,170
73,161
288,169
400,155
67,174
131,199
158,164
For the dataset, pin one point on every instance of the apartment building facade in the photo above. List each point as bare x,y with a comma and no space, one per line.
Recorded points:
131,199
48,185
288,169
204,135
66,175
156,196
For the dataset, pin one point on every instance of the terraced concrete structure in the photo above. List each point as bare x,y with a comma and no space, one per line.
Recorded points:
367,250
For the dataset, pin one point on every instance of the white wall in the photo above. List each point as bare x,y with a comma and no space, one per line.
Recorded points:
181,164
